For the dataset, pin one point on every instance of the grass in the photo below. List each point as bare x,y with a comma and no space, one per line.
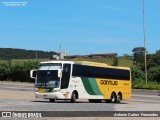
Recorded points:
140,84
121,61
125,62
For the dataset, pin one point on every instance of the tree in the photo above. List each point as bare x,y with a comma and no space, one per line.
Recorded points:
138,54
153,60
115,61
156,57
137,73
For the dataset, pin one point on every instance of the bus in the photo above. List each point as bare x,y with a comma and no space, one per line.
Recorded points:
72,80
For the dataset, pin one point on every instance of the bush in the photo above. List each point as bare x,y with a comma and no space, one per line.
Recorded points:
138,83
151,86
138,78
19,71
154,74
5,70
137,73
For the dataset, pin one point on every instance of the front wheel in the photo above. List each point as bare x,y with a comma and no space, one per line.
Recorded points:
73,97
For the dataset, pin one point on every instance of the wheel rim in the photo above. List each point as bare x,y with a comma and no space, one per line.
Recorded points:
119,98
74,97
113,98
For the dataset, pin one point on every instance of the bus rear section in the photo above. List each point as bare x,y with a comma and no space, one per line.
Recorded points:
103,82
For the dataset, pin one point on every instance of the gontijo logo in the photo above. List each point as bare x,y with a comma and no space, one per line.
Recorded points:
108,82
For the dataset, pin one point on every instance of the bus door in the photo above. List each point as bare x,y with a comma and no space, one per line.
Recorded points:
65,76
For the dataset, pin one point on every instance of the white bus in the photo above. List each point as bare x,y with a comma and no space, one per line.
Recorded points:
71,80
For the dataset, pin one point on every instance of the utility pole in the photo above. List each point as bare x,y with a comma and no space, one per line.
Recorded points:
36,55
145,57
61,56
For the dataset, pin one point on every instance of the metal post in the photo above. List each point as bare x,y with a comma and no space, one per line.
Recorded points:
145,57
36,55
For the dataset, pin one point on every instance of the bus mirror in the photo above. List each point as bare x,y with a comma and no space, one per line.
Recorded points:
59,73
33,74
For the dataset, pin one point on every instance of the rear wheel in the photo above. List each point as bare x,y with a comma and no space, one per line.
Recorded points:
119,98
113,97
73,97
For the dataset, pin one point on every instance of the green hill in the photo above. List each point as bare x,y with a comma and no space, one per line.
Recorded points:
16,54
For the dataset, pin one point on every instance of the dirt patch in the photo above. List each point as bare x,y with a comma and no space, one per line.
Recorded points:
16,95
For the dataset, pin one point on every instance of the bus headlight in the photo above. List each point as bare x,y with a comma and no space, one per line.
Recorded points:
55,90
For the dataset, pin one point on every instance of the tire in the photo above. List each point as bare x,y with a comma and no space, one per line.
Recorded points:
113,98
52,100
73,98
119,98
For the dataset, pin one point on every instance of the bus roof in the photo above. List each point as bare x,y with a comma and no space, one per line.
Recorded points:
57,61
100,65
87,63
91,63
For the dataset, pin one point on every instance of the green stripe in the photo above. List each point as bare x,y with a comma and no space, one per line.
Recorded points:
91,86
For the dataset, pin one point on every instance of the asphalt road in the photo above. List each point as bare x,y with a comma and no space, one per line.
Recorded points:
20,97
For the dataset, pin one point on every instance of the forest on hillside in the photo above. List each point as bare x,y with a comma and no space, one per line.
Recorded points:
16,54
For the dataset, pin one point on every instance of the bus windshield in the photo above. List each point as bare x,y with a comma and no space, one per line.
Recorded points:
47,76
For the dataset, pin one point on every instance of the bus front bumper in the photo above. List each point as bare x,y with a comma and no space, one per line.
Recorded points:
51,95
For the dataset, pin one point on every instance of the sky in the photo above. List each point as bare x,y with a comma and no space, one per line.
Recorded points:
80,26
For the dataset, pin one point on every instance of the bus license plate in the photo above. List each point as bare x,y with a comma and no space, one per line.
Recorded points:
44,95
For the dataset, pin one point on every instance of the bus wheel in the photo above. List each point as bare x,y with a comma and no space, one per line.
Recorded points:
119,98
73,97
52,100
113,97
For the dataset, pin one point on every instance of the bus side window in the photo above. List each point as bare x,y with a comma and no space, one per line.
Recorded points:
65,76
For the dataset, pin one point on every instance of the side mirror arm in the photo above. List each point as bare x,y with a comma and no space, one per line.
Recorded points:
33,73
